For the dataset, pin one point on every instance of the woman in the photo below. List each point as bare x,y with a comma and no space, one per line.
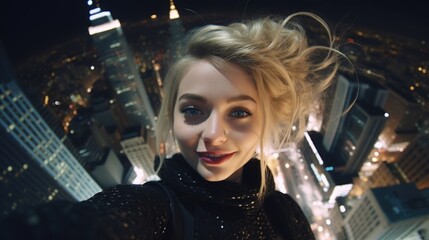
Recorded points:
230,102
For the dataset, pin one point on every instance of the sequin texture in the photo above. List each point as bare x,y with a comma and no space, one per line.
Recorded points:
221,210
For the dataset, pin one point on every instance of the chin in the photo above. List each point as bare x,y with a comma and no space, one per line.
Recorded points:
212,177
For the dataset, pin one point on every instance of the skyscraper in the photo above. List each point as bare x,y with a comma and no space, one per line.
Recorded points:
388,213
356,138
35,165
177,34
139,147
120,68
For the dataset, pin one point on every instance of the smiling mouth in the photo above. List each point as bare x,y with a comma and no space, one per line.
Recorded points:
214,158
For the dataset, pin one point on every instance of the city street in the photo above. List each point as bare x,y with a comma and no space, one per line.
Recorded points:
295,178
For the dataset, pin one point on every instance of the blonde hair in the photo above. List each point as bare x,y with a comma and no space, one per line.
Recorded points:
289,74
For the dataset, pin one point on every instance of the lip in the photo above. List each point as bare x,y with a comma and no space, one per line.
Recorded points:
214,158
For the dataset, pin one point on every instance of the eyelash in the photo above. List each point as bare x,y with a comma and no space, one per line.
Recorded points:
186,111
246,112
194,111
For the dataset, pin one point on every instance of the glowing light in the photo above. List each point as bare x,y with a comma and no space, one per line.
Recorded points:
275,155
92,67
153,16
57,103
46,100
324,180
376,154
94,11
306,177
320,228
419,69
287,165
378,145
140,175
412,88
104,27
374,159
328,221
298,195
293,128
174,14
88,90
89,2
386,115
340,191
313,147
100,15
342,209
9,168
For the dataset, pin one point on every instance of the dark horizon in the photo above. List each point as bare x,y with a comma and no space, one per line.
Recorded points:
33,27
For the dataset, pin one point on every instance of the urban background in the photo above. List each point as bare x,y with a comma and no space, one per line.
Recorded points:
81,86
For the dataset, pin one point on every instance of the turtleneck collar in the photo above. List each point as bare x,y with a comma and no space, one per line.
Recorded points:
186,182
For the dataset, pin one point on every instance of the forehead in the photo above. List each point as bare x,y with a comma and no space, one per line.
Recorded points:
204,79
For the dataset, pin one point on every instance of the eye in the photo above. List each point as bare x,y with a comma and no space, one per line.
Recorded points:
191,111
240,113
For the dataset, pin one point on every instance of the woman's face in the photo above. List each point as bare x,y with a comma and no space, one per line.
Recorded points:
217,120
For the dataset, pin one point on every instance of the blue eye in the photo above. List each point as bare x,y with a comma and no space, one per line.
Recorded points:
240,113
191,111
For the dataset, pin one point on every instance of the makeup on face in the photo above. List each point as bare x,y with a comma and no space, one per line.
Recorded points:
216,120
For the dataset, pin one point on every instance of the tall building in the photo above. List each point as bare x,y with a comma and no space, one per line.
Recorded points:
404,112
34,160
120,68
347,92
332,183
387,174
138,145
357,137
414,161
177,34
388,213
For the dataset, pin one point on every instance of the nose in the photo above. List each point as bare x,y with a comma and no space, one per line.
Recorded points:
213,132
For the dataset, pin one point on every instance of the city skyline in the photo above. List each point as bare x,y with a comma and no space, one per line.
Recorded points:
28,28
73,83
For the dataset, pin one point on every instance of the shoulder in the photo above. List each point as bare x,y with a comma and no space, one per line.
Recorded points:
283,200
128,195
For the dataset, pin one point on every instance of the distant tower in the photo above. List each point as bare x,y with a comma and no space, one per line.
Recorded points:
177,34
121,69
36,166
139,147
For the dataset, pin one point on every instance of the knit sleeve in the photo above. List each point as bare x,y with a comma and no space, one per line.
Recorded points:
120,212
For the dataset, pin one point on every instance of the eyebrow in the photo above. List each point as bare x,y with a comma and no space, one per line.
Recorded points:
204,100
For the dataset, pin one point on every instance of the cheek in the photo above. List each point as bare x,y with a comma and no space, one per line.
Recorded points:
185,135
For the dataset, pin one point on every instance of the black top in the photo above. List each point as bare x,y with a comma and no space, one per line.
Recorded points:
221,210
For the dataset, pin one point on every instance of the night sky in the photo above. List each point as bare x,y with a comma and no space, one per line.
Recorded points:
28,27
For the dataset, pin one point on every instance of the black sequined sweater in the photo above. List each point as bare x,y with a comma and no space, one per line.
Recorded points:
221,210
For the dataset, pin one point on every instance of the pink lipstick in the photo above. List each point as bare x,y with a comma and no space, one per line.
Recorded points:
214,158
